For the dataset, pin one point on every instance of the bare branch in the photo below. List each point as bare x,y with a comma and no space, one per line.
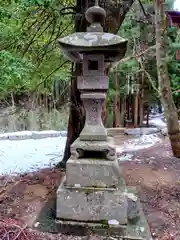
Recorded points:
137,56
150,80
35,34
176,91
51,36
37,20
49,75
142,7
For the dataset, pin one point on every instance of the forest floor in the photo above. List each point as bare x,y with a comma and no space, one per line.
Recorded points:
154,171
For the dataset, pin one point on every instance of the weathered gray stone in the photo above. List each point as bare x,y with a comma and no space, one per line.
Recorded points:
93,133
92,172
94,129
94,190
93,82
91,204
93,79
136,228
43,134
133,211
79,147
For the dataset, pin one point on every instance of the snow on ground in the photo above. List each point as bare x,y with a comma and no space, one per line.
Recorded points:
157,122
20,156
145,141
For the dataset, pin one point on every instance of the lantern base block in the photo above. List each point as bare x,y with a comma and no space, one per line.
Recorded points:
136,228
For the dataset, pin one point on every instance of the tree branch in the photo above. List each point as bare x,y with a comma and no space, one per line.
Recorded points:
176,91
150,80
35,34
142,7
51,36
49,75
134,56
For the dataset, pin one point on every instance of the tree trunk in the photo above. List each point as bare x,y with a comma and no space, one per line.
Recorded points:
76,110
163,79
136,98
115,15
115,105
141,104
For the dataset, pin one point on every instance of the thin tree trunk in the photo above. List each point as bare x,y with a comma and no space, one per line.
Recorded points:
115,108
163,79
136,109
76,115
76,111
141,104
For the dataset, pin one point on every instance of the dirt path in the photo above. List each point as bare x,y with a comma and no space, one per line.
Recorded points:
154,171
156,174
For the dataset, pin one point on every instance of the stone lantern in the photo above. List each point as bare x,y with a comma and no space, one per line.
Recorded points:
93,192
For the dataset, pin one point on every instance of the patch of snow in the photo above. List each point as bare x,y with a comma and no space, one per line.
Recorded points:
141,131
157,122
21,156
145,141
157,115
125,157
113,222
164,131
132,196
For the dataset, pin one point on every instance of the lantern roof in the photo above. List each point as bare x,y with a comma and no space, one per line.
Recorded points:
94,40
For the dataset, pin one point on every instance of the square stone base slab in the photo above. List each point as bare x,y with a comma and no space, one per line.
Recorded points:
91,203
47,222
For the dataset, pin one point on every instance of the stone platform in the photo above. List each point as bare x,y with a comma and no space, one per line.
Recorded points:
135,229
91,204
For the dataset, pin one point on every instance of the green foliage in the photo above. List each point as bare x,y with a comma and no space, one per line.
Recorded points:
15,73
31,60
137,33
29,55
